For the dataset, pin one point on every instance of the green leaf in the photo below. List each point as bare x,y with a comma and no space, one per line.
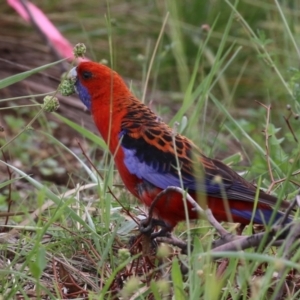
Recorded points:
37,267
233,159
154,290
86,133
21,76
177,281
4,184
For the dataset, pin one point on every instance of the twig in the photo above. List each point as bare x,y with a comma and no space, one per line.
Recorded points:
276,236
268,109
226,239
287,120
212,220
195,207
289,210
290,128
282,180
245,242
173,240
232,242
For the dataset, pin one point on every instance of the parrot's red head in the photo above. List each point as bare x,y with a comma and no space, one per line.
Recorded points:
98,86
105,94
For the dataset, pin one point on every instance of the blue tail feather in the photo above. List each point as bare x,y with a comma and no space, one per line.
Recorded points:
262,216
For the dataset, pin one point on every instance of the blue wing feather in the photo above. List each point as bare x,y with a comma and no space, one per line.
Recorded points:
162,179
159,168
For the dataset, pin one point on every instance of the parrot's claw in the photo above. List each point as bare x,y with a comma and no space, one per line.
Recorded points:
147,228
164,232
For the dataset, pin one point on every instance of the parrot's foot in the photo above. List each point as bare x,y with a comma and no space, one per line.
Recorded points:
142,243
148,234
147,228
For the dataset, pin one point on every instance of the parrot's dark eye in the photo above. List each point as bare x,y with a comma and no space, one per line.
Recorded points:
86,74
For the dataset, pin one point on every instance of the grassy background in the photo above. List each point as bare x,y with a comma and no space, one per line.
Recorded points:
212,63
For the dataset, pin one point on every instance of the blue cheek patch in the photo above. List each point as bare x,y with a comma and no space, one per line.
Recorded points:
83,94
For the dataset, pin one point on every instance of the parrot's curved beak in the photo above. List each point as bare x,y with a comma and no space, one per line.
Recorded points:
72,73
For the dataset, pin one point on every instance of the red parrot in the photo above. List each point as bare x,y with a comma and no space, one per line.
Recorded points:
144,154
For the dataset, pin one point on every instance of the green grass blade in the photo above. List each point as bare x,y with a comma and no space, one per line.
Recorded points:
86,133
57,200
21,76
245,134
4,184
87,169
177,281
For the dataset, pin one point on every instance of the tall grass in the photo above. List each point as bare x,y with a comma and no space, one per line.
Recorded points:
78,237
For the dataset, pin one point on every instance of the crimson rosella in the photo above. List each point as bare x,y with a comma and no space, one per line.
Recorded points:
144,153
